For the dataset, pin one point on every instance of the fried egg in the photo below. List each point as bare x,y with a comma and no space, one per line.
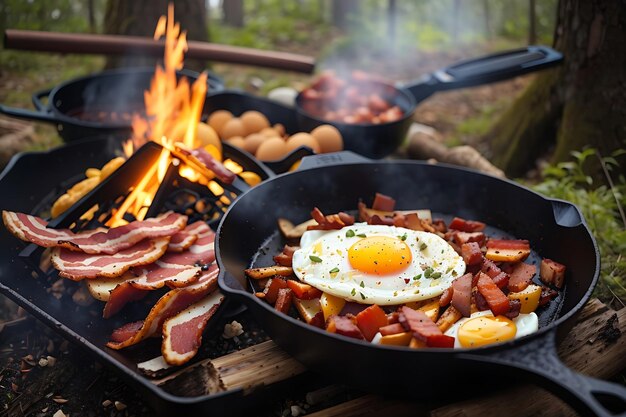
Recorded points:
377,264
482,328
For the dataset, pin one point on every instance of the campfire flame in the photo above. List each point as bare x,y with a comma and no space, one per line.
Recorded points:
173,111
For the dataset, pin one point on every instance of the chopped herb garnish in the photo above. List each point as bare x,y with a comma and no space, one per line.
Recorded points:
435,275
427,272
315,258
403,237
361,235
334,270
416,277
349,233
423,246
362,284
454,274
353,292
448,270
362,296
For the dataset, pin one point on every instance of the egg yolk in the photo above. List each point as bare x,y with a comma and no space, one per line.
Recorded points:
380,255
485,330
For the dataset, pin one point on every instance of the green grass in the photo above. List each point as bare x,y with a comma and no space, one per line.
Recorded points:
602,203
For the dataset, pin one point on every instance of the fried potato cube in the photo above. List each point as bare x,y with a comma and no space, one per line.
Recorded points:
529,298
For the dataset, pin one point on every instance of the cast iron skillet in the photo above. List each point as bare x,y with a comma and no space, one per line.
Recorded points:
248,236
379,140
118,90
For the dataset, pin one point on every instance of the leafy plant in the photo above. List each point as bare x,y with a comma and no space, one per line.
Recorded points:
602,204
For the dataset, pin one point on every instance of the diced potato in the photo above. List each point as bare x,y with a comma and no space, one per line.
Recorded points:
431,309
529,298
448,318
92,172
507,255
331,305
416,344
308,309
398,339
269,271
251,178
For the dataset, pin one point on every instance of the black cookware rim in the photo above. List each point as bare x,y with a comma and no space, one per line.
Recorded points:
552,327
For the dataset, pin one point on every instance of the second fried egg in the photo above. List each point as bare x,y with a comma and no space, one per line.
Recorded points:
377,264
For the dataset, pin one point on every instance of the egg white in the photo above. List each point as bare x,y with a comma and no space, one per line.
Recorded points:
525,324
332,248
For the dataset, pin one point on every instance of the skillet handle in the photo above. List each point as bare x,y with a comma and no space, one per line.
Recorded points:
36,99
39,116
539,362
328,159
487,69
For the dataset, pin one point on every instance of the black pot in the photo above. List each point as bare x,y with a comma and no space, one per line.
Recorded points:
555,228
380,140
73,105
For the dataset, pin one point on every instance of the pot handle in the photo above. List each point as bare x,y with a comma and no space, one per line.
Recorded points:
281,166
539,361
36,99
484,70
328,159
39,116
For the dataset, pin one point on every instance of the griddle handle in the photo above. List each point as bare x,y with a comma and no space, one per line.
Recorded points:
328,159
39,116
484,70
36,99
539,362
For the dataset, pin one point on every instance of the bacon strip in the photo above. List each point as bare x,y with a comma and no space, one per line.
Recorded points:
186,237
108,241
220,171
330,222
177,269
167,306
121,295
182,333
78,265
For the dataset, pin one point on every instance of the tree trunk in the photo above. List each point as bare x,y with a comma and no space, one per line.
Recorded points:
487,16
233,12
581,103
342,11
139,18
91,16
532,23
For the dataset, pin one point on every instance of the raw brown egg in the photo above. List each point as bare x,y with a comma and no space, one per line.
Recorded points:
280,129
302,139
237,141
233,127
270,132
254,121
271,149
328,138
252,142
218,119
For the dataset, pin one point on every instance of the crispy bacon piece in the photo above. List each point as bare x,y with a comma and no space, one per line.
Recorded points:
269,271
270,291
505,250
500,277
285,257
446,297
471,253
462,294
521,276
370,320
383,202
466,225
284,299
182,333
126,331
376,219
547,294
101,241
394,328
168,305
186,237
514,309
330,222
552,273
78,265
302,290
344,325
465,237
497,301
423,328
121,295
221,172
481,303
501,280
